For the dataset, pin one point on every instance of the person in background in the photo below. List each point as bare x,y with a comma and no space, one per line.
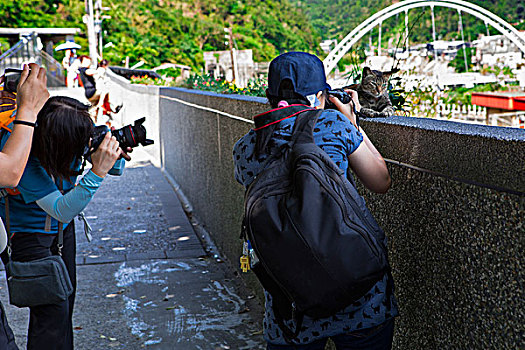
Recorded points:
96,90
105,108
71,64
31,96
87,73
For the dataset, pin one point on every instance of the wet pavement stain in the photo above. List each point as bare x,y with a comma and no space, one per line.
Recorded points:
185,304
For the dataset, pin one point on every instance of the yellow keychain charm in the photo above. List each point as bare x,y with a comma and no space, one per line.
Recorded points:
245,263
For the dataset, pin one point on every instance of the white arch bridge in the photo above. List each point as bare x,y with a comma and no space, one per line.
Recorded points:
404,6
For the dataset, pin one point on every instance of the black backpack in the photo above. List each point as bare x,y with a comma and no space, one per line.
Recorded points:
318,247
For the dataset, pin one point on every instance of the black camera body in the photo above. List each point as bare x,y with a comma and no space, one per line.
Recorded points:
341,95
129,136
345,98
11,79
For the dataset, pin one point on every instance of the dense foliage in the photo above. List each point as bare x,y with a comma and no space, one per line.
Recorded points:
179,31
40,13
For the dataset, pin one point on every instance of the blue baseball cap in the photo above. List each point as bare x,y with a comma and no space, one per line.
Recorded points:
305,71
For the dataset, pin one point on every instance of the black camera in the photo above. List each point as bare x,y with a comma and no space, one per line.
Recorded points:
345,98
11,79
341,95
129,136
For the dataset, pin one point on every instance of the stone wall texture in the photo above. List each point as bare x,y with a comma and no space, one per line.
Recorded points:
455,215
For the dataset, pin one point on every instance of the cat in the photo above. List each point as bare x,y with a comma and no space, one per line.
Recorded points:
373,93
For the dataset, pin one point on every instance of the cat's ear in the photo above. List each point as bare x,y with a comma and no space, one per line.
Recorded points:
366,71
389,73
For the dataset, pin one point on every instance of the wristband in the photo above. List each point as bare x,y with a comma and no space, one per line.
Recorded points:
23,122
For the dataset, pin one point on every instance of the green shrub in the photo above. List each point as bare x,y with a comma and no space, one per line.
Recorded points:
255,87
170,72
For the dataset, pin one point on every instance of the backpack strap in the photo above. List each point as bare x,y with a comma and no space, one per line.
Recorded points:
288,334
4,193
304,126
277,115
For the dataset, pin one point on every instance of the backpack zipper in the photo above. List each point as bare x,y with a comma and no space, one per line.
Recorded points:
342,205
25,277
352,202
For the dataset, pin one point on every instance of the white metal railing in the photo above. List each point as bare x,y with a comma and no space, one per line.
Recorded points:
467,113
56,75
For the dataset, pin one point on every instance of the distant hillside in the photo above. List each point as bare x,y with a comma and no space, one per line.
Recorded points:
176,31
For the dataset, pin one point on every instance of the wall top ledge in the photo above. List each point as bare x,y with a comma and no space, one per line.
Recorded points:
487,155
262,100
147,89
494,132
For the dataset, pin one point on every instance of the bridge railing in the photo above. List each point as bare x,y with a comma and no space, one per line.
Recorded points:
395,9
27,51
454,215
23,51
472,114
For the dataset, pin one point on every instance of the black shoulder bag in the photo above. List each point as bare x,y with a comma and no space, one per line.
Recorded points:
42,281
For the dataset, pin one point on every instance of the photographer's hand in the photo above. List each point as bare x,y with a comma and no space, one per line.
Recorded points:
32,92
346,109
125,153
106,155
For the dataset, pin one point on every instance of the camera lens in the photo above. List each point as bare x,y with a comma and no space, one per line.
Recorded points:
129,136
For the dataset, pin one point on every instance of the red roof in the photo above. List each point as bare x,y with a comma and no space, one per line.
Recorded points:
519,103
511,101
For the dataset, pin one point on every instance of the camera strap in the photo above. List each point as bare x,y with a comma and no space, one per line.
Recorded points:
87,226
60,224
358,115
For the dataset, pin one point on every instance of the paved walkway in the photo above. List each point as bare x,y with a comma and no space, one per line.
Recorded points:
145,281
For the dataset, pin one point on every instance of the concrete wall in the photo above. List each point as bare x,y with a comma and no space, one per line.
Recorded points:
455,214
457,231
138,101
200,144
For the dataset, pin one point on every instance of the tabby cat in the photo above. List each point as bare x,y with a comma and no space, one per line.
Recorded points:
373,93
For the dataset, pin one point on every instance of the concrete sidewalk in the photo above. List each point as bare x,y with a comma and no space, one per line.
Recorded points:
145,280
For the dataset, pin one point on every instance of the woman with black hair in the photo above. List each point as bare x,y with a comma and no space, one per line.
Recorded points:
47,195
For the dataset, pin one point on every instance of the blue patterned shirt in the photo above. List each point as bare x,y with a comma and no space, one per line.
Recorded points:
338,138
